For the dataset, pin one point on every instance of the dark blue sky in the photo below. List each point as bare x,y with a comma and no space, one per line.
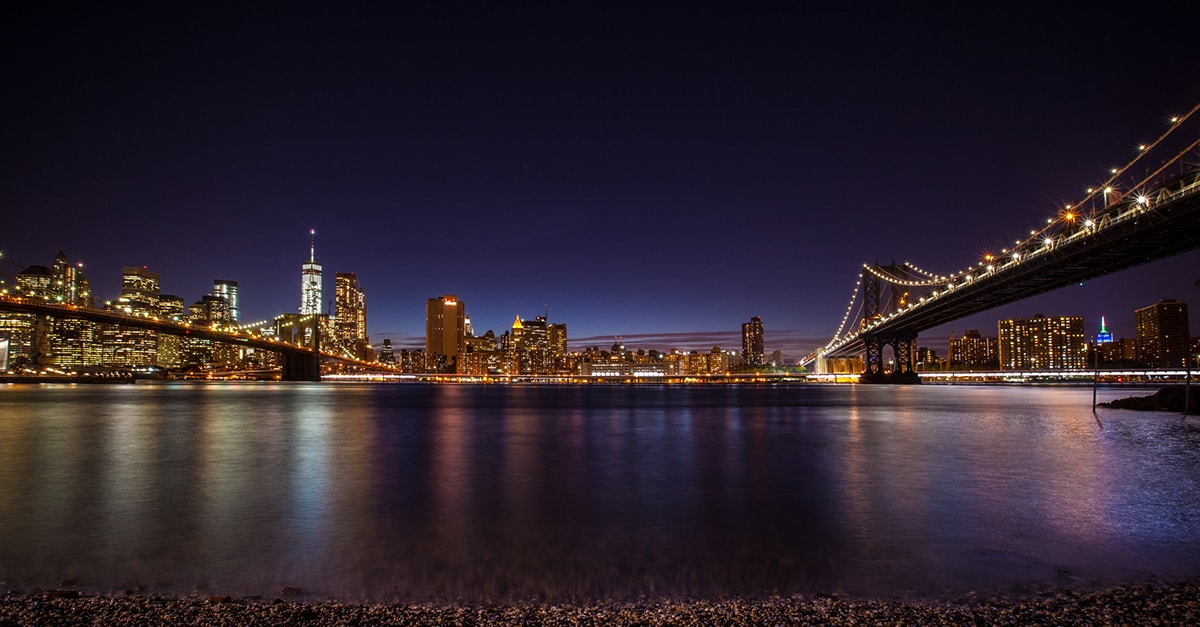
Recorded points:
659,173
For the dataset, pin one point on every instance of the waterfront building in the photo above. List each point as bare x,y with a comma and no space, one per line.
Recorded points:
556,340
170,347
73,343
310,280
228,290
481,362
927,359
696,363
1161,332
1042,343
350,315
972,351
481,343
445,331
537,345
413,362
718,361
753,354
45,340
124,346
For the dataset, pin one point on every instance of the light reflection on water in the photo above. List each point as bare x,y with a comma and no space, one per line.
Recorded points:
411,492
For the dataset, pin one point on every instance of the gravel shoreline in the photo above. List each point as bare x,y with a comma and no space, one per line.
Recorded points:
1152,603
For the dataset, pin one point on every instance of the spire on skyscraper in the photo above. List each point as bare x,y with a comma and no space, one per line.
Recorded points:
310,279
1103,337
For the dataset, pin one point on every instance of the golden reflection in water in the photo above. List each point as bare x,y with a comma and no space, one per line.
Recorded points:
521,434
451,467
128,451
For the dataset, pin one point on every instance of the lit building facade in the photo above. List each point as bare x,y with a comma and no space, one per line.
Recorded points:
125,346
971,351
1042,343
1161,334
45,340
310,280
170,347
445,332
753,353
350,315
228,290
386,355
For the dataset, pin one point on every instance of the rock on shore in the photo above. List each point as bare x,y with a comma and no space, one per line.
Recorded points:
1170,398
1143,604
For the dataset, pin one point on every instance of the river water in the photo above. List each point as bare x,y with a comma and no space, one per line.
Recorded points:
406,492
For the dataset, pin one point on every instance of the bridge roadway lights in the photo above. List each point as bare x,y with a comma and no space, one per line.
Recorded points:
893,378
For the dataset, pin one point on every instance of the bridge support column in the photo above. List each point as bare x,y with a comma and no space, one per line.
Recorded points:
905,349
301,367
873,360
902,347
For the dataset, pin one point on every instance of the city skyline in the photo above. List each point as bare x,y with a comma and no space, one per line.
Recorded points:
656,175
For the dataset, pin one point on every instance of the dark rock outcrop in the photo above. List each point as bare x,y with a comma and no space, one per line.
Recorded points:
1170,398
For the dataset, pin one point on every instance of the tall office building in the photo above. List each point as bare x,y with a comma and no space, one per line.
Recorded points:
69,284
386,356
139,297
1041,343
538,346
1103,337
752,343
170,347
310,280
228,290
350,314
72,342
1161,332
445,330
44,340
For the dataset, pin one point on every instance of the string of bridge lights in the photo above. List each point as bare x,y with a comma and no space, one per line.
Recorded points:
904,282
849,308
1047,239
927,273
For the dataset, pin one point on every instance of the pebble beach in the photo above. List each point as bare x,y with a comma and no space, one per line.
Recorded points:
1152,603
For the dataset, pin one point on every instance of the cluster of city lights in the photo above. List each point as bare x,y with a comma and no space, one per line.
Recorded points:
1066,225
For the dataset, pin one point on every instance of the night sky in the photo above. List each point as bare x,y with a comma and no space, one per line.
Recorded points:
657,173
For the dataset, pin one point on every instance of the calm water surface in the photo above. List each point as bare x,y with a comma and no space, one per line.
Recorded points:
415,492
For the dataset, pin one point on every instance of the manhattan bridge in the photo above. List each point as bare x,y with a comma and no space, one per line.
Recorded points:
1146,210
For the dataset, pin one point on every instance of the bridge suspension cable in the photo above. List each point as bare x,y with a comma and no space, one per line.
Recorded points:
849,308
886,276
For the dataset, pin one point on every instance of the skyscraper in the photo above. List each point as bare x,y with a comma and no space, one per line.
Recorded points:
752,343
350,314
139,297
445,329
1161,332
1041,343
310,280
1103,337
227,290
170,347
